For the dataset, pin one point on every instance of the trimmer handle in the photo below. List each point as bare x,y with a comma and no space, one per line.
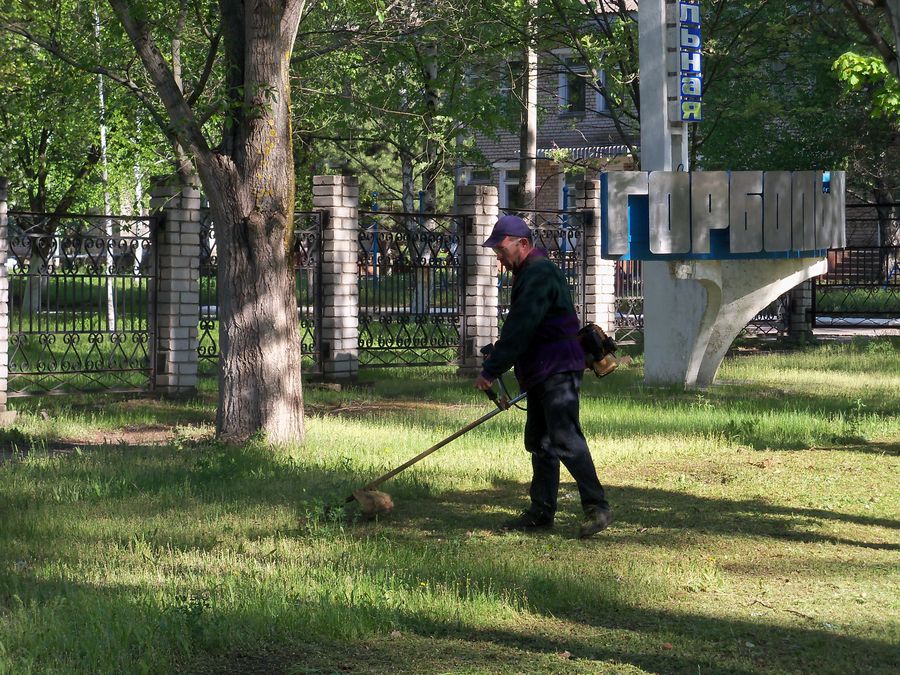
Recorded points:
501,402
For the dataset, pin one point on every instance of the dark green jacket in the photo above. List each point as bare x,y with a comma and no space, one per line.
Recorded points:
539,335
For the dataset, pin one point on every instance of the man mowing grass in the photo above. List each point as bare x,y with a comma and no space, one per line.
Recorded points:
539,338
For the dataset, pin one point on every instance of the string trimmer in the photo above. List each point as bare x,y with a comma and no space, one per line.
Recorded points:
374,503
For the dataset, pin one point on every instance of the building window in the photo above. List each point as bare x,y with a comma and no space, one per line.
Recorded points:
572,86
479,177
510,195
576,97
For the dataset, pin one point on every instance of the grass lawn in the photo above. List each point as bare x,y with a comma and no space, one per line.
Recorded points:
757,529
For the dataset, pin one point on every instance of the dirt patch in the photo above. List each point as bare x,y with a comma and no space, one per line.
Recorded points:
363,409
132,435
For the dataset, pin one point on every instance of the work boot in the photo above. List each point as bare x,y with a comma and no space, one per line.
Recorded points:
527,522
595,520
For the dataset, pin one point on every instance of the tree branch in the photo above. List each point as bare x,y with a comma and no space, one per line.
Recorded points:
183,123
207,69
52,47
888,53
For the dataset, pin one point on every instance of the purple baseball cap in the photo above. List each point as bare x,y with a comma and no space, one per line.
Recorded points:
507,226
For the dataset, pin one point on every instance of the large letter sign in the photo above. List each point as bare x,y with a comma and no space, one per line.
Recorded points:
690,44
718,215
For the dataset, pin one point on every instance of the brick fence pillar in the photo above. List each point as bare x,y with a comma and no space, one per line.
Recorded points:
177,285
4,295
479,207
339,197
800,317
600,281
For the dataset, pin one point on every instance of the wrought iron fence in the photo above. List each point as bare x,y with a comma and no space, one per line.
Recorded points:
560,234
629,289
862,286
411,288
629,326
772,320
308,282
82,303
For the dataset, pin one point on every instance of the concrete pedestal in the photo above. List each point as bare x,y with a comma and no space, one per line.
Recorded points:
694,309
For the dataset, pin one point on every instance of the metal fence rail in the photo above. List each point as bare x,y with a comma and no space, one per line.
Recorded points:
629,326
560,234
82,305
411,288
308,282
862,286
629,289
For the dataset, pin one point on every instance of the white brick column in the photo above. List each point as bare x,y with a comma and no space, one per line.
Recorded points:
339,197
479,206
600,276
177,267
800,318
4,295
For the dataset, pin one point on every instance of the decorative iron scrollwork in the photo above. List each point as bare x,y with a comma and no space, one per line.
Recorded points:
79,287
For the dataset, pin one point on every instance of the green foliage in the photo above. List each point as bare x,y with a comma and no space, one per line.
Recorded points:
773,100
769,93
868,73
371,104
50,114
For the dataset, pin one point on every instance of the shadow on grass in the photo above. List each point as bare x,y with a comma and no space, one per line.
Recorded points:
181,634
250,476
598,630
607,628
653,516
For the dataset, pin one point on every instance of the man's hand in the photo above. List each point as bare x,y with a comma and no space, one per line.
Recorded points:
481,382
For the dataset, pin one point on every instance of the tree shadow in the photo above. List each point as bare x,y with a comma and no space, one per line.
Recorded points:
253,478
603,632
667,514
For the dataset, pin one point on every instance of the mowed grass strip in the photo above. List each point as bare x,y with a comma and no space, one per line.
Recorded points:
756,530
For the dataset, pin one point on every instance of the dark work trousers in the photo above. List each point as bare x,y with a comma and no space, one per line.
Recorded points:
552,435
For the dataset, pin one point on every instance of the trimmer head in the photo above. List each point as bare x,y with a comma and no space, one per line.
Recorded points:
373,503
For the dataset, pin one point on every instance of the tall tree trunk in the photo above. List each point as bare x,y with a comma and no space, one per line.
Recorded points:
888,215
184,167
432,168
250,185
259,377
108,261
408,189
528,129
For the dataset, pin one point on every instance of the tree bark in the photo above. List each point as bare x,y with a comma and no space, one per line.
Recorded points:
432,167
528,128
249,181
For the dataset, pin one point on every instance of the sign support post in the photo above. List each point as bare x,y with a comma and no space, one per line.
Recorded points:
696,305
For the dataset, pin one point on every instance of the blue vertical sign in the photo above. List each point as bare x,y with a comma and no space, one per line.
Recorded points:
690,44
